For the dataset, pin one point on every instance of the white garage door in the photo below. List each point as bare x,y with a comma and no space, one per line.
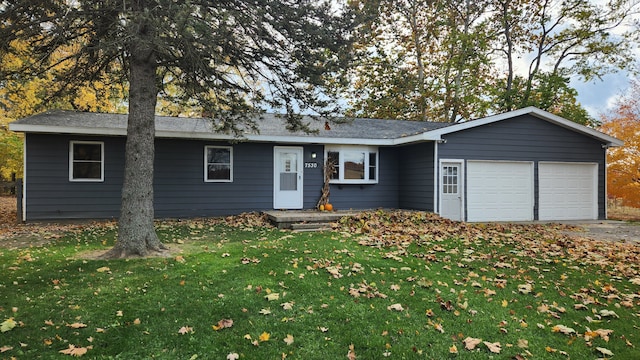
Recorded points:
568,191
499,191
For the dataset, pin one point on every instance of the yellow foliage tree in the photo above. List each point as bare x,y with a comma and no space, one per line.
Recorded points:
623,170
24,96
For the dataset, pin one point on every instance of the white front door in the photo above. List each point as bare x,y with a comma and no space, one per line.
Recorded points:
287,177
451,190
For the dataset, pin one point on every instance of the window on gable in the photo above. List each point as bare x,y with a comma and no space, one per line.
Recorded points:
353,164
218,164
86,161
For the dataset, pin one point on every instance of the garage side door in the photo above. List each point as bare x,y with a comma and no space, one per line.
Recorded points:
568,191
499,191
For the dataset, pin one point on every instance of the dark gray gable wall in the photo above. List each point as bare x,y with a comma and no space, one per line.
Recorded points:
527,138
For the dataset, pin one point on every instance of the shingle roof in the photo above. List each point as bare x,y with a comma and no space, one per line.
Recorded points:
272,128
269,126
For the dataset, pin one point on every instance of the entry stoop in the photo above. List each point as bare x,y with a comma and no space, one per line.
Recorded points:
305,220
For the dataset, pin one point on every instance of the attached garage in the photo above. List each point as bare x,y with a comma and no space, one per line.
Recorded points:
568,191
500,190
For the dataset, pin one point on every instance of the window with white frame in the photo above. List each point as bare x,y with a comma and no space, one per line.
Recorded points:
353,164
218,164
86,161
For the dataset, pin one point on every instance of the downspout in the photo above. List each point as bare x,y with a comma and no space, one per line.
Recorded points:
24,179
436,171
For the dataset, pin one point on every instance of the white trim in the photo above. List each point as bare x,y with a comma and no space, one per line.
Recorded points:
24,179
341,149
541,114
461,185
206,164
71,161
300,170
436,176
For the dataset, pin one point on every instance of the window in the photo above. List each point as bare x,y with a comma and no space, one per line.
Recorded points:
218,164
353,164
450,179
86,161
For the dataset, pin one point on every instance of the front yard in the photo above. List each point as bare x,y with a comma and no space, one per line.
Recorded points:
398,285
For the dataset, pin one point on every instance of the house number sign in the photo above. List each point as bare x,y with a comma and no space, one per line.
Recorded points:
310,165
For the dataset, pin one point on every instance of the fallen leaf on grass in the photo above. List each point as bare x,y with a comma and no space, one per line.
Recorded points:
265,336
471,343
608,313
604,351
185,330
77,325
233,356
224,323
103,269
5,348
493,347
351,354
396,307
453,349
7,325
272,296
75,351
289,339
563,329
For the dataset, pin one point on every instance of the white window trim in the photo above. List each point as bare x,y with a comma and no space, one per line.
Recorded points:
206,164
340,149
71,161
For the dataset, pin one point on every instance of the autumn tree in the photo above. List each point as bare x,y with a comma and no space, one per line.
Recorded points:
22,95
623,163
227,57
451,60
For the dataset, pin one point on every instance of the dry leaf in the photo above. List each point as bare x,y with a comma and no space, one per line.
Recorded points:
396,307
74,351
351,354
272,296
185,330
5,348
265,336
103,269
224,323
523,344
471,343
493,347
77,325
563,329
453,349
7,325
289,339
233,356
604,351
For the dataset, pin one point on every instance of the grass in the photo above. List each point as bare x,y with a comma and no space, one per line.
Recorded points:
325,291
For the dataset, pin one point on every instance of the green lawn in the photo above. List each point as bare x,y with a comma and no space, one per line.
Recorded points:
384,285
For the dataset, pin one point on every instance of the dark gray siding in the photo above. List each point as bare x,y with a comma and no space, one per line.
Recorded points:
384,194
527,138
50,194
416,176
179,186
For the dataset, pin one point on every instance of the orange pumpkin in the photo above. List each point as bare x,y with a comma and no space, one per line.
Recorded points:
328,207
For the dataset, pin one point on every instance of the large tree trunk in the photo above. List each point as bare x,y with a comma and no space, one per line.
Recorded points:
136,232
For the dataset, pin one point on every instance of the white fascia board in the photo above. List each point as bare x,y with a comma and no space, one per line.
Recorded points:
541,114
47,129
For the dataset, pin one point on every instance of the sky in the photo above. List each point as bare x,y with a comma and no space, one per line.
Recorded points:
598,96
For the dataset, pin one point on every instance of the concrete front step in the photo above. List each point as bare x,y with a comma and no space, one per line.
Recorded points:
313,226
